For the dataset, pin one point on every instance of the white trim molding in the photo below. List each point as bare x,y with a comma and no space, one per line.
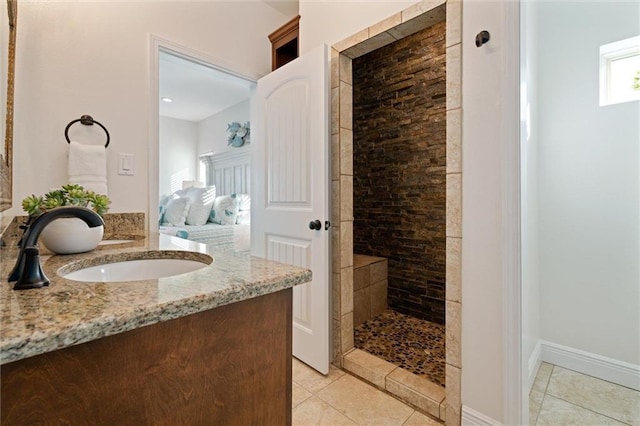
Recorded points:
515,396
601,367
534,364
471,417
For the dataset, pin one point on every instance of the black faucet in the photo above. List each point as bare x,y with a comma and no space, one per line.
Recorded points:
28,273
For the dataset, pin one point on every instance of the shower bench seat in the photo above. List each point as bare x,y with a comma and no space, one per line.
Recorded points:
369,287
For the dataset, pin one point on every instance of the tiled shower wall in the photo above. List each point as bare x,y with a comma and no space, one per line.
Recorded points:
399,167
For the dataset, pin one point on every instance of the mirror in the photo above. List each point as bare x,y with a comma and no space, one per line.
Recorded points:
6,153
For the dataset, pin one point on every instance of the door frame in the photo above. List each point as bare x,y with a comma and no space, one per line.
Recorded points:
342,54
158,44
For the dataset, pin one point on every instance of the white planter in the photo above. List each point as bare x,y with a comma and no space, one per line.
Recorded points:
70,235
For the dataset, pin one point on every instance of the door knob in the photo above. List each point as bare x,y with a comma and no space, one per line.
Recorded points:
316,225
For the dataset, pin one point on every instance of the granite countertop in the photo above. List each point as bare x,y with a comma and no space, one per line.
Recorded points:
69,312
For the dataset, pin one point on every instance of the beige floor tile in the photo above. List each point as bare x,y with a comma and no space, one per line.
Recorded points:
299,395
310,379
603,397
314,411
419,419
363,403
542,378
535,402
556,412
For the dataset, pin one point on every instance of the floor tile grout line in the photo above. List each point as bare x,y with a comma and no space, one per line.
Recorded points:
544,395
546,386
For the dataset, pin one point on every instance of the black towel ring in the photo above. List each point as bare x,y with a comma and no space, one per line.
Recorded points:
87,120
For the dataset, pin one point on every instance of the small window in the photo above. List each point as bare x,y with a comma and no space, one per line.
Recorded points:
620,71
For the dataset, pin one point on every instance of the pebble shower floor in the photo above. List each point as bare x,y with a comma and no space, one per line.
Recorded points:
411,343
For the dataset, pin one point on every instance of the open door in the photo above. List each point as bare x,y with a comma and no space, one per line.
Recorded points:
290,191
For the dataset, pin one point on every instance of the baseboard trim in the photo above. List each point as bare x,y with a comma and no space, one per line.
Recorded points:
534,364
471,417
609,369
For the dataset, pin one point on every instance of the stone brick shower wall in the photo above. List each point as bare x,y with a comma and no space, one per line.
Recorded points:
399,154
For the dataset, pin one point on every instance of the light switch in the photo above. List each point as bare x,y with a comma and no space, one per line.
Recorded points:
125,164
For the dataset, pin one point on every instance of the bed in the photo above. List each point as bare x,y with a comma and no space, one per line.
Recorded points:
217,215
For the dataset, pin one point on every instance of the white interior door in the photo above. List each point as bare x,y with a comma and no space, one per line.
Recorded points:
290,189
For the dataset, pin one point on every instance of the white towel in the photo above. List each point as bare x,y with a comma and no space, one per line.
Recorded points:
88,166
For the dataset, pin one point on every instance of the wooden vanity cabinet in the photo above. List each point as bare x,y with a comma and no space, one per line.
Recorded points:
226,366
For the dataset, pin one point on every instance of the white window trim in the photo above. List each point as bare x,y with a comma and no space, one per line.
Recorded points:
608,53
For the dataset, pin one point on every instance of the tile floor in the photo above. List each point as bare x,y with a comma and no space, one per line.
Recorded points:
564,397
341,399
410,343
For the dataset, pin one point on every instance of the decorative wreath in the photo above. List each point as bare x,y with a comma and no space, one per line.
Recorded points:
239,134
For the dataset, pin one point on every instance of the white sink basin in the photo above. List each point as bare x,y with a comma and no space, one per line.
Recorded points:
135,270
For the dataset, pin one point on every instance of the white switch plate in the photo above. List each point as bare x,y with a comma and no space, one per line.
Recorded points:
125,164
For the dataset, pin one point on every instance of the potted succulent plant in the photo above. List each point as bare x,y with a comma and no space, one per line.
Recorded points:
68,235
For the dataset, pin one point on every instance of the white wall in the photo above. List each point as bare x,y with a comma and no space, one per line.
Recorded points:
212,131
487,97
332,21
178,154
79,57
588,185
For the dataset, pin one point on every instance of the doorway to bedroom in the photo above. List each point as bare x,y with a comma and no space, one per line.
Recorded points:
204,137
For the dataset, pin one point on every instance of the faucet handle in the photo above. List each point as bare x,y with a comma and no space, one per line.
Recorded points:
32,275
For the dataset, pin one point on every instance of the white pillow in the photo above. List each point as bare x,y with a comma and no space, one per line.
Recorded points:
225,210
176,212
243,217
244,202
201,204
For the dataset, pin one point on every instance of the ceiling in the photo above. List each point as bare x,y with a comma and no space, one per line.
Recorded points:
197,91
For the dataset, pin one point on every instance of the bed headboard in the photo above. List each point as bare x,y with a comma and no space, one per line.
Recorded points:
231,172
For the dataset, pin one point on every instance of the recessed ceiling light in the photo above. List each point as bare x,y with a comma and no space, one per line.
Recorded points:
165,99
